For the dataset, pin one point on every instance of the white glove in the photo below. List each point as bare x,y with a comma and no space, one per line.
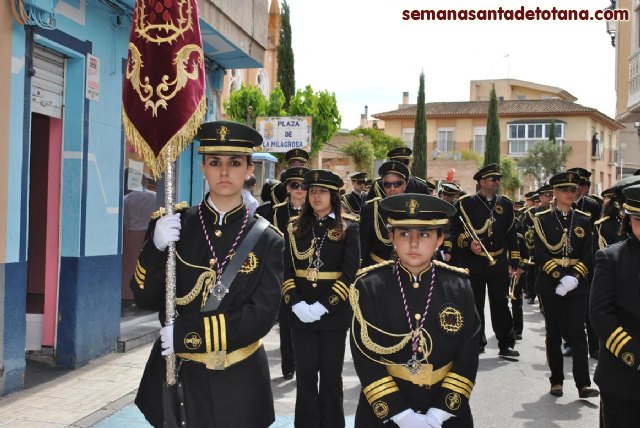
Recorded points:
570,282
561,290
410,419
303,312
436,417
166,338
167,230
318,309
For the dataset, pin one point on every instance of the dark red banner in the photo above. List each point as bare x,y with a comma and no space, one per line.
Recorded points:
163,95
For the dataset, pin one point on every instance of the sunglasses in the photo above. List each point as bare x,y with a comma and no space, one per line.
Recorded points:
297,186
390,184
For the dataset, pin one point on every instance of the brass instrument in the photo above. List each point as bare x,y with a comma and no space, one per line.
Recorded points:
512,287
472,234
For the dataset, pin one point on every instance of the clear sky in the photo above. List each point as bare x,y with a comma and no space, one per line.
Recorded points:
368,55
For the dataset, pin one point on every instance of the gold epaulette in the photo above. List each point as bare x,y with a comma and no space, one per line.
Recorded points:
584,213
462,271
177,208
507,198
538,214
281,204
601,220
351,217
368,269
378,198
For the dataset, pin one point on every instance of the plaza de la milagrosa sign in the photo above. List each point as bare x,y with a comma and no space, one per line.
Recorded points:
282,134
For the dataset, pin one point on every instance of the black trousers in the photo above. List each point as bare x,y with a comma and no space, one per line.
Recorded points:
530,275
592,339
516,306
286,344
618,412
497,284
570,311
319,353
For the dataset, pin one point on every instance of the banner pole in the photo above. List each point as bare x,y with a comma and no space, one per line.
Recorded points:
170,293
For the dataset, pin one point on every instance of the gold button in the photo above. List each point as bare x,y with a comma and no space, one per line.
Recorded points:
417,317
218,233
416,285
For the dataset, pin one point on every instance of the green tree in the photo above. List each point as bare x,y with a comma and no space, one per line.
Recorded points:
323,108
361,151
419,166
492,139
552,131
240,100
510,182
286,62
275,105
471,155
544,159
381,142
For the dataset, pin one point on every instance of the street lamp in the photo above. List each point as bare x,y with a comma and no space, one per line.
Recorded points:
612,26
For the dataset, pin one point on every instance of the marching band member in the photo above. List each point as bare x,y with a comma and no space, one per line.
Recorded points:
415,331
322,256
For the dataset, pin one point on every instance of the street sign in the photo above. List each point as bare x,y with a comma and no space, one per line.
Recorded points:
282,134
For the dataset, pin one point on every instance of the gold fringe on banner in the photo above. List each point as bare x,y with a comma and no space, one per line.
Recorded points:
177,143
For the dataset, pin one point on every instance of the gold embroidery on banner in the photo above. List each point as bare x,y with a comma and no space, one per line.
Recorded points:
250,264
166,32
453,400
192,341
163,90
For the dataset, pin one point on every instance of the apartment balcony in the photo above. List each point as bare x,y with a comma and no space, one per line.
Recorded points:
633,105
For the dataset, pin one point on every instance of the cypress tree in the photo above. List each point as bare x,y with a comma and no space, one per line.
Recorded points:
419,167
286,63
552,131
492,139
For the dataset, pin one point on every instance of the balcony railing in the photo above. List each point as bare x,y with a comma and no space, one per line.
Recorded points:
634,82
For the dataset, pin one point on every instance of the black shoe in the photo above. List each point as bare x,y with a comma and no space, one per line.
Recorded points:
288,375
556,390
586,392
509,354
531,300
518,336
567,351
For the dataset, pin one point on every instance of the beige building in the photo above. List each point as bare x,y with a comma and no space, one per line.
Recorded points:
526,110
627,44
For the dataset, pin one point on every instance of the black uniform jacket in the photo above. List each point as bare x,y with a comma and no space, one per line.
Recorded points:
375,245
498,237
353,202
452,323
240,395
341,258
605,232
281,214
590,206
550,256
615,316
